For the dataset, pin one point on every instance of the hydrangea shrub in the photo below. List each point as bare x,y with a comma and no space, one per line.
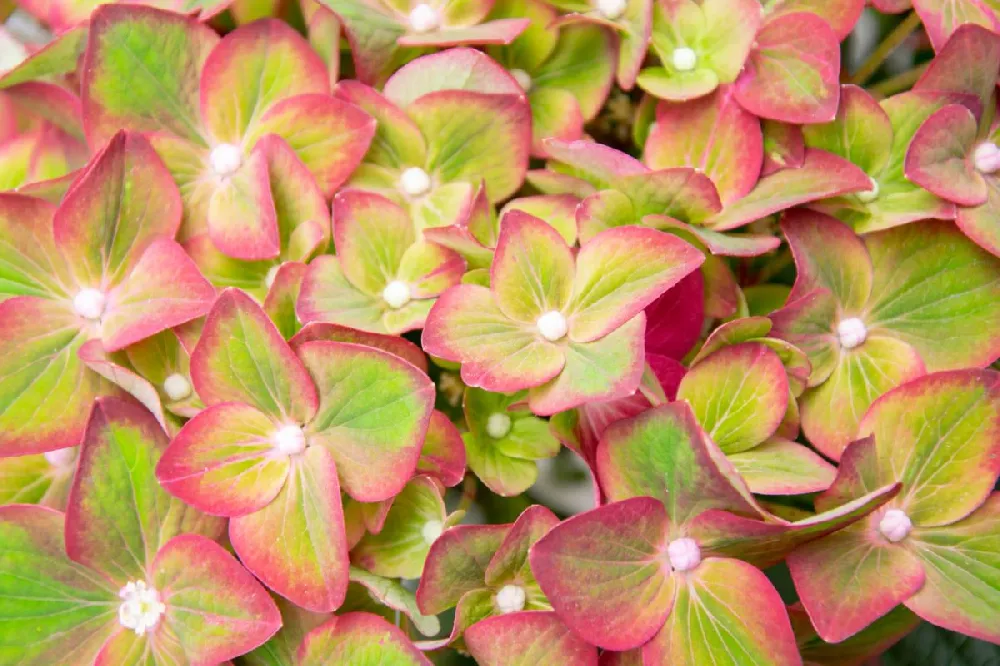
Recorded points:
506,332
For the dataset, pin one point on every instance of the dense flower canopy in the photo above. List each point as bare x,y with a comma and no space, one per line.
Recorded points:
507,332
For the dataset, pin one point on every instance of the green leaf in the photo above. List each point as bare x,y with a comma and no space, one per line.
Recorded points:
54,610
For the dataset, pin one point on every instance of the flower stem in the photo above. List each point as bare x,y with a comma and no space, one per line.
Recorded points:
898,83
898,35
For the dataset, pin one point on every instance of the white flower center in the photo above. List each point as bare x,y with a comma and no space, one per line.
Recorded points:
510,599
271,274
612,9
523,78
869,195
289,440
684,554
89,303
61,458
177,387
424,18
986,157
226,159
141,607
895,525
851,332
552,325
432,530
498,425
684,59
396,294
415,182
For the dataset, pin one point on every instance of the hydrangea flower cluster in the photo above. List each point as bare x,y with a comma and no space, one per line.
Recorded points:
311,313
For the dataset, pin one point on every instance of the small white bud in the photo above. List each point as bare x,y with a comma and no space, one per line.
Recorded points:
684,554
986,157
289,440
869,195
141,607
432,530
612,9
414,182
226,159
851,332
895,525
424,18
523,78
89,303
684,59
396,294
510,599
498,425
552,325
177,387
61,458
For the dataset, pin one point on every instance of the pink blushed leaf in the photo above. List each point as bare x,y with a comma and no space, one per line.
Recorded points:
453,69
617,550
792,72
266,51
75,608
849,579
296,544
224,461
329,135
124,200
215,609
99,361
242,221
350,638
713,134
46,392
241,357
164,289
443,453
674,320
397,346
456,565
725,611
118,517
821,175
532,270
520,639
374,409
465,325
621,271
938,157
501,31
965,63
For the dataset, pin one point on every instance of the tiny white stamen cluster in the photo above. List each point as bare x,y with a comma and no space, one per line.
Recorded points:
986,157
895,525
141,607
851,332
414,182
396,294
510,599
684,59
432,530
612,9
424,18
225,159
684,554
89,303
523,79
498,425
871,194
552,325
61,458
177,387
289,440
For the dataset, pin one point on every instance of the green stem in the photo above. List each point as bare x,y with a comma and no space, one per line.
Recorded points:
898,83
898,35
469,488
